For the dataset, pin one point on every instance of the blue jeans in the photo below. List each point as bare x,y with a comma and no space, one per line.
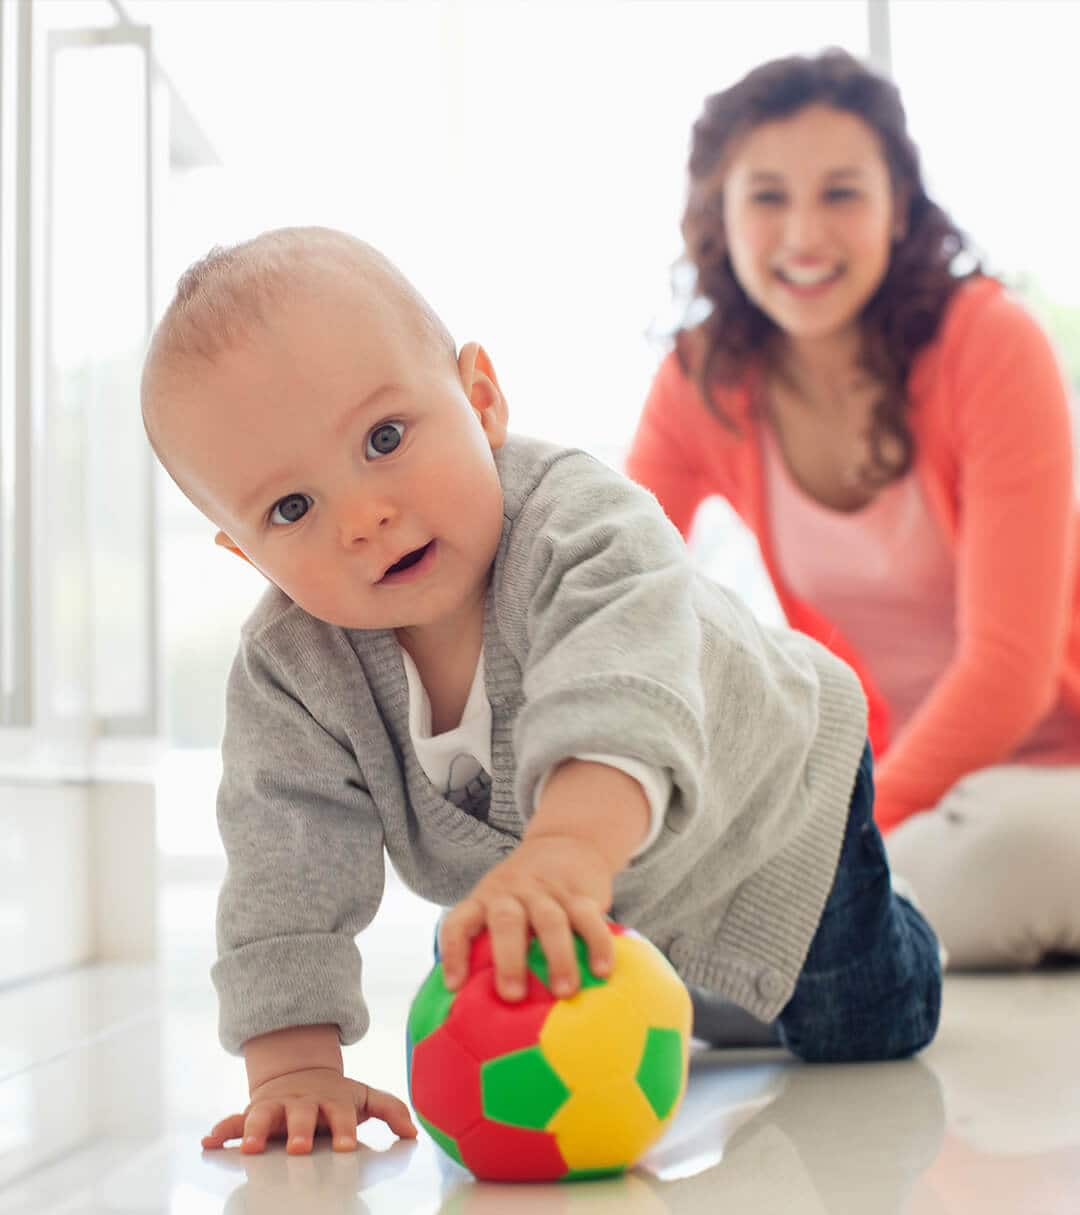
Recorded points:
870,987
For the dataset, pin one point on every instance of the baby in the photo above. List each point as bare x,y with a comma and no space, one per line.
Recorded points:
491,659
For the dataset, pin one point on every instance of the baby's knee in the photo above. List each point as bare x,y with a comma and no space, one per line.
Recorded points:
889,1009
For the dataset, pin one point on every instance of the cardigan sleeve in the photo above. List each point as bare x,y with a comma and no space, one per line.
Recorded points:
1012,439
305,849
666,452
596,589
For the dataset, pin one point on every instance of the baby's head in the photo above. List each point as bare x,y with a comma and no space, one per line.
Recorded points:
309,402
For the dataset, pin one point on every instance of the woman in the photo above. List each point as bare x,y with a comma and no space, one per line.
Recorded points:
894,429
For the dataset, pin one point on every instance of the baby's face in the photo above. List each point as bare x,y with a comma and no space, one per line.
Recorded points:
349,459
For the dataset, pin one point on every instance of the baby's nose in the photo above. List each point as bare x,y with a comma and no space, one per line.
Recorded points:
362,517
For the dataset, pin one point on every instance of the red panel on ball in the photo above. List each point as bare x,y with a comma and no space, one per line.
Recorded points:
446,1084
480,956
487,1025
510,1153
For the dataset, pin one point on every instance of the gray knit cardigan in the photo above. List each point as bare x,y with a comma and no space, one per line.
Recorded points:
599,636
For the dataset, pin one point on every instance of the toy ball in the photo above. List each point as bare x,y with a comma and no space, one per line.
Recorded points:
548,1089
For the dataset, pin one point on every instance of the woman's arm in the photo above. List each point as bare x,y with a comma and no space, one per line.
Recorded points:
1013,444
665,455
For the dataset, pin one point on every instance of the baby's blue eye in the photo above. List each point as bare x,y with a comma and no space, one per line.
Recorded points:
384,439
290,509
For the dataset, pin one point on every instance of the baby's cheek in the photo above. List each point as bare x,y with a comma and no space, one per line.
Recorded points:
336,592
319,597
307,583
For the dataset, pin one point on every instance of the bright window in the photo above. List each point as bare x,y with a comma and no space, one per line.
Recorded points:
522,162
990,91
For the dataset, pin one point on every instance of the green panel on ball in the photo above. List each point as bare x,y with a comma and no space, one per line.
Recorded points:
591,1174
660,1073
537,963
448,1145
431,1006
521,1089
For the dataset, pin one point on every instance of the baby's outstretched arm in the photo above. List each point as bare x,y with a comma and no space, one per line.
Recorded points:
558,881
297,1085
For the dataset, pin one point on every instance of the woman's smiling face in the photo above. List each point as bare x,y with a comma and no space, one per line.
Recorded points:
810,216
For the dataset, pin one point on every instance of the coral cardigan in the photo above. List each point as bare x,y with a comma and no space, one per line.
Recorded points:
990,418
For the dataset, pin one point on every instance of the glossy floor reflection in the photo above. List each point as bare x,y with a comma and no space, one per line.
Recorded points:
109,1076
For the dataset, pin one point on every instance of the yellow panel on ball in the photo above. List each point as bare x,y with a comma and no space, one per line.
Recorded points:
595,1037
649,982
590,1138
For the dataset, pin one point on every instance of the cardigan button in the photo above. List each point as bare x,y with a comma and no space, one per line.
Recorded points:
770,985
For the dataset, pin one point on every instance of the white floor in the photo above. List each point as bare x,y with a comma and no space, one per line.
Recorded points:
108,1077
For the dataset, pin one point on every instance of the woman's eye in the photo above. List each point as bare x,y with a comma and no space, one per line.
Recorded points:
384,439
840,195
769,198
290,509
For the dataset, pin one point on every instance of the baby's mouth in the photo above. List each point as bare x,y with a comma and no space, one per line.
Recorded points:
408,561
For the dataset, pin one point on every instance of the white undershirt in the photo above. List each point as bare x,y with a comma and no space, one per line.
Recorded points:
456,758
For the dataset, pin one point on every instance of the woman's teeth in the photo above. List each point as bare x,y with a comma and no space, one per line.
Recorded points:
808,278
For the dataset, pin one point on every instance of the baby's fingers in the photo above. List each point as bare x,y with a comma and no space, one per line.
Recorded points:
552,927
455,938
228,1128
339,1117
389,1109
261,1122
591,926
508,925
301,1119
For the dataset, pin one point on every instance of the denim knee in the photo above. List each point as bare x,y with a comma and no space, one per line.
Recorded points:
885,1007
870,988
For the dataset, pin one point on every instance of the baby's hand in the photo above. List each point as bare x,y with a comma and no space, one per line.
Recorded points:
294,1105
552,886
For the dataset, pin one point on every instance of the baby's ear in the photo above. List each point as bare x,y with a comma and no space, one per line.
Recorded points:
224,541
482,388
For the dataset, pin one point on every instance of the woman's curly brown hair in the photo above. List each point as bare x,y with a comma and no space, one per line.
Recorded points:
904,313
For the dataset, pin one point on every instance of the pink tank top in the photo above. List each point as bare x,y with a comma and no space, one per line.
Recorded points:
885,576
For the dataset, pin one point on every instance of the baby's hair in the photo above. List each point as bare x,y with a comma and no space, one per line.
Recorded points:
224,297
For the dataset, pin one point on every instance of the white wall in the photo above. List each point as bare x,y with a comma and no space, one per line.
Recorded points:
45,920
77,875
